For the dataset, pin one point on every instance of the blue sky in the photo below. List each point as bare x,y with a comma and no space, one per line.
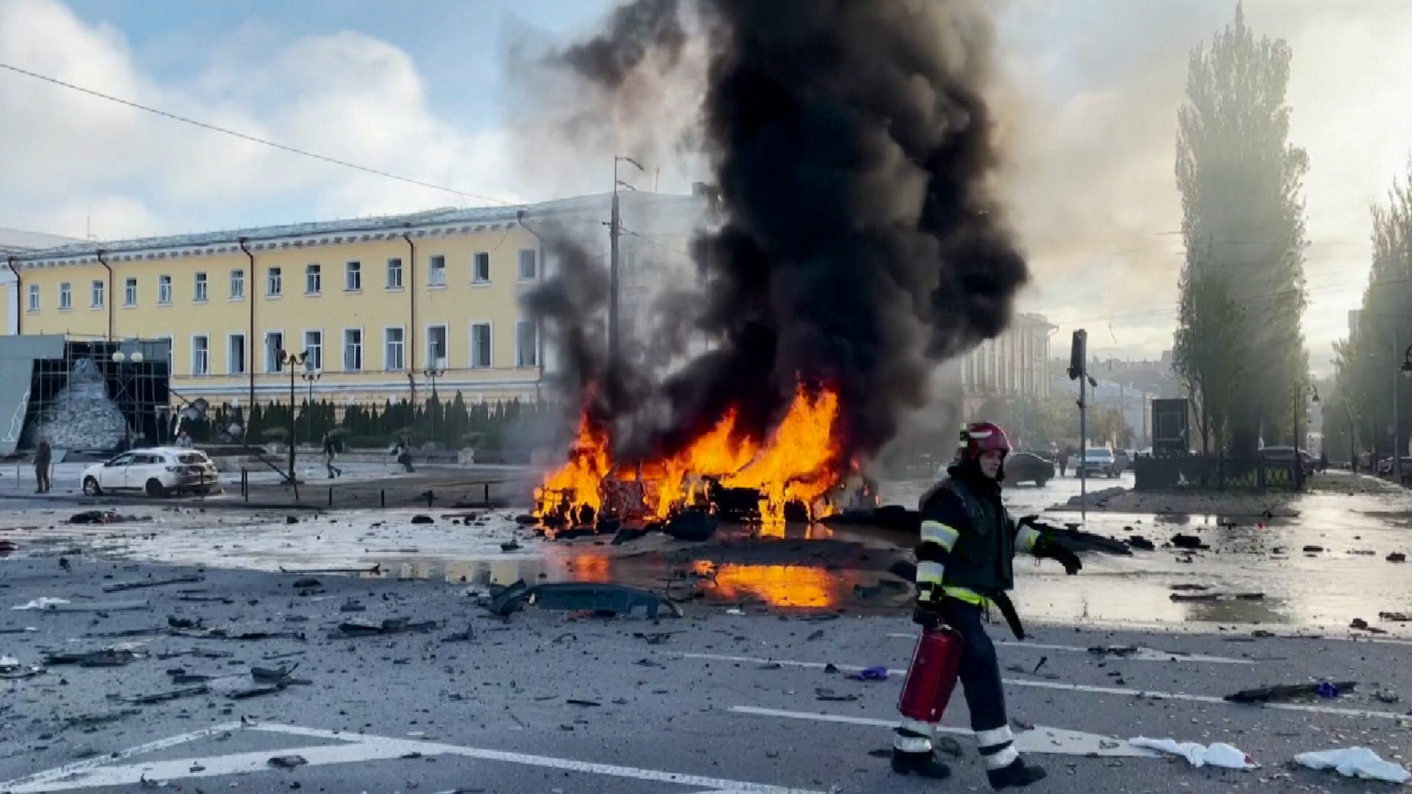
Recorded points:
419,89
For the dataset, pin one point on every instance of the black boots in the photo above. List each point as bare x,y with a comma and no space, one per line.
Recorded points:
1016,775
921,764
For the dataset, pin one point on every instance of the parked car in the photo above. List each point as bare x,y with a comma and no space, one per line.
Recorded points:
1284,456
1100,461
1122,459
1028,467
156,472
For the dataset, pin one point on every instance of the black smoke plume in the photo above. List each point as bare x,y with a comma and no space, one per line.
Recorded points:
859,244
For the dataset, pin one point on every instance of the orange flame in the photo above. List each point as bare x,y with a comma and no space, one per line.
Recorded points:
799,461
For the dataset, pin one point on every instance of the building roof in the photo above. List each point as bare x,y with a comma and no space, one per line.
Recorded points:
442,220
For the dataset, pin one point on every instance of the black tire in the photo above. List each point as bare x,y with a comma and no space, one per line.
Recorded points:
154,489
91,488
1040,481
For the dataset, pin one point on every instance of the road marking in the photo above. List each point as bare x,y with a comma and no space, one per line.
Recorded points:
356,747
1097,690
1040,739
1141,655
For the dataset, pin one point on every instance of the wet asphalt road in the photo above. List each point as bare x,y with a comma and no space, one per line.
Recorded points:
719,703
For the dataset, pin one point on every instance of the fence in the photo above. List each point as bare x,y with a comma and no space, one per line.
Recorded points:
1217,473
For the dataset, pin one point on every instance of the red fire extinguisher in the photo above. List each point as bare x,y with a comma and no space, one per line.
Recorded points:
932,677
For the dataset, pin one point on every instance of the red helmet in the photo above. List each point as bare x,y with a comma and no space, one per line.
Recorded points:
981,437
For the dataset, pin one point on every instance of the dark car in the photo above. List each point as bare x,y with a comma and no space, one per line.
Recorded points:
1028,467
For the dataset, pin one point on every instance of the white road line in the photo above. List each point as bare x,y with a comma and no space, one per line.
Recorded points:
1097,690
1141,655
356,748
1041,739
79,767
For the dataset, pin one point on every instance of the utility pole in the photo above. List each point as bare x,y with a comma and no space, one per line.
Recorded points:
1078,370
615,224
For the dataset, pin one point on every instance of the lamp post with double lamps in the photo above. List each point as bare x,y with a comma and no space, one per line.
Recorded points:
310,376
432,374
122,360
288,360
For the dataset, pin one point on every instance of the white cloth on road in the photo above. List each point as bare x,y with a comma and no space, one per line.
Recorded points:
1218,754
1357,762
41,603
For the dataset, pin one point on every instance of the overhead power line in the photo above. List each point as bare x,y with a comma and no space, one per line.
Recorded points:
252,138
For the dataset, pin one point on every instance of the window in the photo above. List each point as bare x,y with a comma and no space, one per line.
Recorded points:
528,264
480,345
353,349
66,297
392,347
526,344
394,273
200,356
237,284
130,292
96,293
274,343
353,276
235,354
314,346
313,280
480,269
164,290
436,346
34,297
200,291
274,282
436,274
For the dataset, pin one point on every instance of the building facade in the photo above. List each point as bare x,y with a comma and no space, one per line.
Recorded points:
1014,364
384,308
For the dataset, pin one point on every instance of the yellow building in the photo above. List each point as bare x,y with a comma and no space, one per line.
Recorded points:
385,307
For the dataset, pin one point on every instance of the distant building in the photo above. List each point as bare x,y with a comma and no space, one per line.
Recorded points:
14,242
1015,364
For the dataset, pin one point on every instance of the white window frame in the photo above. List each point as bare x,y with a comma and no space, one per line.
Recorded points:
272,363
398,269
200,288
353,276
520,264
401,347
475,268
237,284
195,371
97,293
129,291
519,351
318,350
164,290
235,365
66,296
436,271
313,279
274,281
443,360
33,306
362,350
489,363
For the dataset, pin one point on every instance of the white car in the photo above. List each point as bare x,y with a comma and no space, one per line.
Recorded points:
156,472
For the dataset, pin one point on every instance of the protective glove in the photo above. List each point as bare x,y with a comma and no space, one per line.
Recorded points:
926,616
1071,562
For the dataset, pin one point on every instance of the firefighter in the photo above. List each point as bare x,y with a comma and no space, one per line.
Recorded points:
965,564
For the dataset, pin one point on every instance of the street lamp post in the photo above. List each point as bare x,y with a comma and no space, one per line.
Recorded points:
289,360
310,377
432,374
122,359
1299,408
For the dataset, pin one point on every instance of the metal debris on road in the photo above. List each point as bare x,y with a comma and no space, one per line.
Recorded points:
108,657
140,584
389,626
1279,694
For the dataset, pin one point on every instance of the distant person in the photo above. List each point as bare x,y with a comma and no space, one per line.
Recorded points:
183,440
403,450
43,454
1323,462
330,446
1063,461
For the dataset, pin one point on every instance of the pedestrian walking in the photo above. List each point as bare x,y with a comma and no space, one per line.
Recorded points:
330,452
964,564
43,454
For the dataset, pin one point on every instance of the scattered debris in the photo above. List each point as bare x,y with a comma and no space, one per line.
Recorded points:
1360,623
376,569
1279,694
138,585
870,674
104,517
1217,597
183,623
1395,617
509,599
108,657
94,720
44,602
1311,549
352,605
161,697
691,525
1397,556
1359,762
586,703
1198,755
1140,542
389,626
11,668
287,761
628,535
655,637
421,519
224,634
1387,696
1188,542
601,598
510,546
1190,587
307,584
832,697
62,605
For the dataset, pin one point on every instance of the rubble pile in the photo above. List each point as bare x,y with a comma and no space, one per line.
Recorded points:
81,416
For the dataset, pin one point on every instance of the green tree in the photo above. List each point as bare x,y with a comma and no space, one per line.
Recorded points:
1243,217
1208,355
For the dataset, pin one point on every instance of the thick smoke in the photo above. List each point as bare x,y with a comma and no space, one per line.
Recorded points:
859,244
